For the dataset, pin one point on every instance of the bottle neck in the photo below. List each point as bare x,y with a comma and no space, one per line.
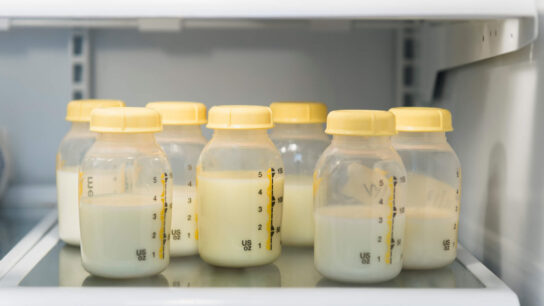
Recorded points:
180,131
309,128
128,139
81,128
420,138
298,130
361,142
240,135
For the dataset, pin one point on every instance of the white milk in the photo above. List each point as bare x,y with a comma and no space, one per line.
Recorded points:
350,243
432,215
67,197
121,236
430,238
183,234
237,224
298,211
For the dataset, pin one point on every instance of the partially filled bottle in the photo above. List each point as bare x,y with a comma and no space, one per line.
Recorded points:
71,151
359,196
300,137
434,186
126,203
182,141
240,189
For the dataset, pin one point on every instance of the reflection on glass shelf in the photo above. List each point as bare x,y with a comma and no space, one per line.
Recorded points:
153,281
15,223
62,267
193,272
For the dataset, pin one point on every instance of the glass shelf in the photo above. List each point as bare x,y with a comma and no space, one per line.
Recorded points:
62,267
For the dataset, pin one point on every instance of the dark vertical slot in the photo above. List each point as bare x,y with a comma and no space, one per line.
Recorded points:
77,95
77,46
78,73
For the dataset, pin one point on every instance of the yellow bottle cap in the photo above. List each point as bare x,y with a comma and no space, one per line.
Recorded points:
180,113
80,110
299,112
422,119
243,117
125,120
361,123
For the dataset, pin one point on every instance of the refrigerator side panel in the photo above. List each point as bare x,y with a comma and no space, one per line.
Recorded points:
497,111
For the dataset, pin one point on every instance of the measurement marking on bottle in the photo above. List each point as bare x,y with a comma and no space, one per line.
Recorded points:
456,227
390,238
270,207
162,232
196,202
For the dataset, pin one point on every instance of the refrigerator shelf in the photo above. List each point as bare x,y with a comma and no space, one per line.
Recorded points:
51,273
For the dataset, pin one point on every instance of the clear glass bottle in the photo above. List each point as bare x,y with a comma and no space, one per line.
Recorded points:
434,186
126,202
240,189
299,135
182,141
71,151
359,195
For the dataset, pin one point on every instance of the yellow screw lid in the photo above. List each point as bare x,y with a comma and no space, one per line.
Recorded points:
125,120
422,119
180,113
80,110
298,112
361,123
243,117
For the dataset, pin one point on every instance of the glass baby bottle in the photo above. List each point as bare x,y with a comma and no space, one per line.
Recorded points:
182,141
70,154
300,137
359,195
126,202
240,189
434,186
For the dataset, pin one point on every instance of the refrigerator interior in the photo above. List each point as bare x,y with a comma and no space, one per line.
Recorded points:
485,70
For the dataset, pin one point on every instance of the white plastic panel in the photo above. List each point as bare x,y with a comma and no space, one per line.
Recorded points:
384,9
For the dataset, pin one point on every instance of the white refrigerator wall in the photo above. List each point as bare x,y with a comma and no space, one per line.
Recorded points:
343,68
499,136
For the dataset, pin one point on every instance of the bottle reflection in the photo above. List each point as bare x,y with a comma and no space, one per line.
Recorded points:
151,281
263,276
296,265
325,282
71,272
437,278
183,271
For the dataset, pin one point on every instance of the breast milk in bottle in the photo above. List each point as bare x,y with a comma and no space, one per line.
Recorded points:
359,196
182,141
240,189
299,135
126,202
434,186
71,151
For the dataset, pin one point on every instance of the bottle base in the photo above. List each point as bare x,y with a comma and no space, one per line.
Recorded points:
237,263
113,271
